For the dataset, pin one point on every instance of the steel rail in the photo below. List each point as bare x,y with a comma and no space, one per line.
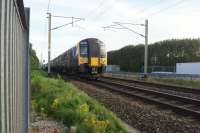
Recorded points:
163,94
183,105
179,104
160,85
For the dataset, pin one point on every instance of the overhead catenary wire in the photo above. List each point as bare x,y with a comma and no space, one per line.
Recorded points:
152,6
73,20
167,8
94,9
128,29
115,1
145,9
106,10
56,16
57,27
149,15
146,27
129,23
121,25
48,6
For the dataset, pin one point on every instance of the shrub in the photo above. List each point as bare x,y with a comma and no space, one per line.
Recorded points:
64,102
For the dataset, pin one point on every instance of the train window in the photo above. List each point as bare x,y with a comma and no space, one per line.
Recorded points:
84,50
102,50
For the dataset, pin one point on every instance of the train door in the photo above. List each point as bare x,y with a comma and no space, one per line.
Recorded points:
84,55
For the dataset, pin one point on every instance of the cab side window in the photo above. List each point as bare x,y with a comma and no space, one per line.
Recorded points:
102,51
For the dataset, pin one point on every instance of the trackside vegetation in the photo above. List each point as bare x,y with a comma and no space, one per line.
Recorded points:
162,56
64,102
180,82
34,60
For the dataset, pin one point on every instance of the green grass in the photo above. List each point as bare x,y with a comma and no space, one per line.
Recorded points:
180,82
64,102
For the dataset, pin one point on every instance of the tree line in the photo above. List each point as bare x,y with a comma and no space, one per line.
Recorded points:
34,60
162,56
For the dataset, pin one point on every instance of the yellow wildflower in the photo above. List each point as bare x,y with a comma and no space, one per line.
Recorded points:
55,103
83,108
99,125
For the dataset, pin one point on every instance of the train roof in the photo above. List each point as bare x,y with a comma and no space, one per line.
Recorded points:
86,39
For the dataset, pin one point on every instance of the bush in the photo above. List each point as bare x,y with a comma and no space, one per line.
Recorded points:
64,102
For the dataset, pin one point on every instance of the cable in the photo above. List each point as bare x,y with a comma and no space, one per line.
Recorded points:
115,1
92,11
157,3
49,3
166,8
161,10
129,29
106,10
57,27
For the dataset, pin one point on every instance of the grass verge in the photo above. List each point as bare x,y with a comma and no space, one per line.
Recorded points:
64,102
180,82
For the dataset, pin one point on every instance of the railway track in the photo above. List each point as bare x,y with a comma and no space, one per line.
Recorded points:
176,90
181,104
158,85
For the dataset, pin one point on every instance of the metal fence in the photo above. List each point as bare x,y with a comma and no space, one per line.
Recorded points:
168,75
14,67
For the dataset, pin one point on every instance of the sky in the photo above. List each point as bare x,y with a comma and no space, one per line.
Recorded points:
168,19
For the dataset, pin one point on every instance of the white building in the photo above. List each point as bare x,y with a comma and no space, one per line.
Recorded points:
112,68
188,68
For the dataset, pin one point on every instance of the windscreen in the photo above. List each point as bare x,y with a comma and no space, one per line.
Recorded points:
83,49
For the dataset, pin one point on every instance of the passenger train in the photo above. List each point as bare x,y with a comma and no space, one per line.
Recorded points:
87,58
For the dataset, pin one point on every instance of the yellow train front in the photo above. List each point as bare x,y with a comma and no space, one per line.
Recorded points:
87,59
92,57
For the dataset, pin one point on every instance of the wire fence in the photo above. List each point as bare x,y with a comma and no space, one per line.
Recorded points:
14,67
168,75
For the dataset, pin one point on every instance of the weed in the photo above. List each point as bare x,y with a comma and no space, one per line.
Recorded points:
64,102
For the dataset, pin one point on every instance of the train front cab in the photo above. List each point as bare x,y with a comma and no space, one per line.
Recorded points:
92,57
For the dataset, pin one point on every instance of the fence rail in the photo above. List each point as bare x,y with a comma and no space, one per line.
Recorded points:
14,67
156,75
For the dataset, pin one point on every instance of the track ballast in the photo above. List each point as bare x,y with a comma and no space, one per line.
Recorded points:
181,104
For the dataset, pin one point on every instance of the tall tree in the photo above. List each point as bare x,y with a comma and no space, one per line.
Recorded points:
163,54
34,60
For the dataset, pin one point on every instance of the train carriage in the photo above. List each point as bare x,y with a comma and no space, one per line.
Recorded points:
87,58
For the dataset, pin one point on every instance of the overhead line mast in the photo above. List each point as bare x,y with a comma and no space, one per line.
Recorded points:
73,20
49,42
120,25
